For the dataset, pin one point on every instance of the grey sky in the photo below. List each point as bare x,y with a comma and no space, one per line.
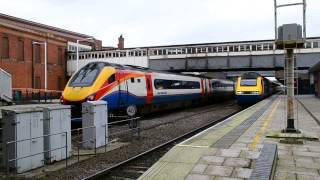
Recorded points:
164,22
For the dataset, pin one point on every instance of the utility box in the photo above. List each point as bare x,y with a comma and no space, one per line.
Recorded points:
23,127
95,124
290,36
57,125
5,86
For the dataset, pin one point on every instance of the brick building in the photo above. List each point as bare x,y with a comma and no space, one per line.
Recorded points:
24,60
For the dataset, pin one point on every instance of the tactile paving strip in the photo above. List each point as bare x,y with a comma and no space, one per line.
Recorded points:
227,140
263,169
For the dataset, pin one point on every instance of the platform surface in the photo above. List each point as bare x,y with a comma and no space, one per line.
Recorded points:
230,149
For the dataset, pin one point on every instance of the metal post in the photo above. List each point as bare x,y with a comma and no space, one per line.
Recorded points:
290,92
304,20
66,149
275,21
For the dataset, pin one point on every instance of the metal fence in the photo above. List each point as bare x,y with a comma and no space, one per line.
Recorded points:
11,160
77,135
22,95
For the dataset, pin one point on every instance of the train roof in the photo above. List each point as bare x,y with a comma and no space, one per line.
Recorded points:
250,75
143,69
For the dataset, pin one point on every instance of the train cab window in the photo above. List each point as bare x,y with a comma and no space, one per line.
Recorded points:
132,80
111,79
86,76
248,82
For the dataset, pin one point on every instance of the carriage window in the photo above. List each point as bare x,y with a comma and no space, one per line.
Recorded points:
175,84
111,79
139,80
132,80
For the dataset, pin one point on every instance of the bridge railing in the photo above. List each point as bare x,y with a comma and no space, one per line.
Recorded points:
186,49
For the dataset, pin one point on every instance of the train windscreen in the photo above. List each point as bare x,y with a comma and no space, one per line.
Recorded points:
87,75
248,82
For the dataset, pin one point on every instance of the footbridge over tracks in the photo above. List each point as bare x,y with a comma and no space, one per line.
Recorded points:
225,56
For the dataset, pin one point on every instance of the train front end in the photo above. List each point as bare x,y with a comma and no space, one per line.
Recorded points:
84,84
249,89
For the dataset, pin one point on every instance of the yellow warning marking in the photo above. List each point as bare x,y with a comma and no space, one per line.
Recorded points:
266,123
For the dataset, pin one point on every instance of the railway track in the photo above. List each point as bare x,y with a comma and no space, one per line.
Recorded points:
134,167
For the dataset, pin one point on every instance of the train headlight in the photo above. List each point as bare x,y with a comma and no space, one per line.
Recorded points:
255,92
240,92
91,97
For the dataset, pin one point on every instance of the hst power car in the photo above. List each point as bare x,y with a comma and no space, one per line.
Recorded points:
252,87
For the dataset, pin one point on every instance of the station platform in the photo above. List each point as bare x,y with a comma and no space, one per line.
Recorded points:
250,145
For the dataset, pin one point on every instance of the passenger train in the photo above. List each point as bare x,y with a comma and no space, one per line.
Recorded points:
251,87
132,89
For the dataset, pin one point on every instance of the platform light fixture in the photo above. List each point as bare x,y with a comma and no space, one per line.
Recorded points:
79,40
45,62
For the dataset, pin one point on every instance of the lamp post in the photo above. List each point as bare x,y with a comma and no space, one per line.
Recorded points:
78,40
45,63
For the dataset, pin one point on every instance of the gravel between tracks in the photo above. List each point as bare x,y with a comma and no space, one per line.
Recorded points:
154,131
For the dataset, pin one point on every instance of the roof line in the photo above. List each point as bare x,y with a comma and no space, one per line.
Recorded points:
32,23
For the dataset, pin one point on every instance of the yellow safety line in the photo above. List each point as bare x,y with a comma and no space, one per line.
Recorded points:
266,123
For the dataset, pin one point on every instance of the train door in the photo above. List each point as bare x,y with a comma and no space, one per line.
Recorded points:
123,90
149,88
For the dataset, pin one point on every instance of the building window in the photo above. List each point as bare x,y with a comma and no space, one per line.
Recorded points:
60,56
36,53
5,47
20,50
37,82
